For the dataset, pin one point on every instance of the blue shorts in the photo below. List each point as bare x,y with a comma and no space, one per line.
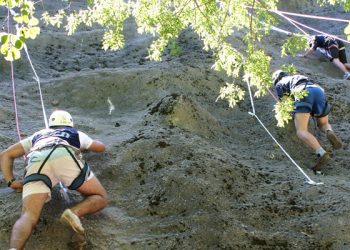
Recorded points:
314,103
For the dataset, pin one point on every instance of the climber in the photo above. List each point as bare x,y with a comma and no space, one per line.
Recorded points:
334,50
315,105
53,156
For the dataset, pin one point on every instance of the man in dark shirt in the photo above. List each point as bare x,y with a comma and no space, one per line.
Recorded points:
314,104
334,50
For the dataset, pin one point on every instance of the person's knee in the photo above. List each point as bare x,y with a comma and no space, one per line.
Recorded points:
302,134
30,219
103,199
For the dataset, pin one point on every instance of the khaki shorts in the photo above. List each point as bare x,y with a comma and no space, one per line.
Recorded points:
60,167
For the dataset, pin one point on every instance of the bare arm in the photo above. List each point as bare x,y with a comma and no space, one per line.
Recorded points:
310,51
7,158
97,146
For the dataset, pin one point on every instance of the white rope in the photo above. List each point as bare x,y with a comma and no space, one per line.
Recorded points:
294,24
313,29
284,31
308,179
314,17
303,15
64,192
38,81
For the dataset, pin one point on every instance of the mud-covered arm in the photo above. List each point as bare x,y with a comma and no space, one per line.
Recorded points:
7,158
308,52
97,146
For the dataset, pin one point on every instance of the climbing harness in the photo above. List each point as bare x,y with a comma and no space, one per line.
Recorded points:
76,183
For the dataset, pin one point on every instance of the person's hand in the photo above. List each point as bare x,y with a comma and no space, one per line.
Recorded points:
17,185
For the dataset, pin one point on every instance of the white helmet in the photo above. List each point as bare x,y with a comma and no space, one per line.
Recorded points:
60,118
277,76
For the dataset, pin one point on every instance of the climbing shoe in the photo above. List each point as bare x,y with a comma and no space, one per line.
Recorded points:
321,162
333,139
71,219
346,76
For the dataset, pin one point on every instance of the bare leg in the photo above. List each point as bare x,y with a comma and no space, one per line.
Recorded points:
323,124
301,122
347,66
340,65
95,198
31,210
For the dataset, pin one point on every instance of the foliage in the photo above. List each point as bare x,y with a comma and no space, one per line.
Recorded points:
26,25
293,45
284,108
231,93
230,29
290,68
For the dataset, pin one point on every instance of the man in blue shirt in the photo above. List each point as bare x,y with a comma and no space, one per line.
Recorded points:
315,105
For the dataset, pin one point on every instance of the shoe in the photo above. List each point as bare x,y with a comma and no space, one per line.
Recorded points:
321,162
78,241
71,219
333,139
346,76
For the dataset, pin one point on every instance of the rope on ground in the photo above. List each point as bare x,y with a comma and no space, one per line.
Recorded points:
308,179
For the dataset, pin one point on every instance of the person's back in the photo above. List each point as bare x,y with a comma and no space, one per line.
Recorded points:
288,83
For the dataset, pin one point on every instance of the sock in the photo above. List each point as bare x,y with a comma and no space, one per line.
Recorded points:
319,152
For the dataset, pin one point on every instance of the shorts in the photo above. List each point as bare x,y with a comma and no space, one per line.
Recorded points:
335,52
60,167
314,103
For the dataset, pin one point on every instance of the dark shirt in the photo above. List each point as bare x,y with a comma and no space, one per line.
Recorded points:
288,83
324,42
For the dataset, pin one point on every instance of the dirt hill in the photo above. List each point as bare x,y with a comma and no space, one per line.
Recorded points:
182,171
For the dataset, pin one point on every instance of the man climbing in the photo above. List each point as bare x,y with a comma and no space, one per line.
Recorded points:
334,50
314,104
53,156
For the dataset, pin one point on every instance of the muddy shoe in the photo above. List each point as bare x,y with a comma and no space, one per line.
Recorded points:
78,242
334,140
321,162
72,220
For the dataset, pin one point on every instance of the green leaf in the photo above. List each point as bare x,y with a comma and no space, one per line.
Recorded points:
18,19
33,32
4,48
18,44
11,3
293,45
4,38
33,21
